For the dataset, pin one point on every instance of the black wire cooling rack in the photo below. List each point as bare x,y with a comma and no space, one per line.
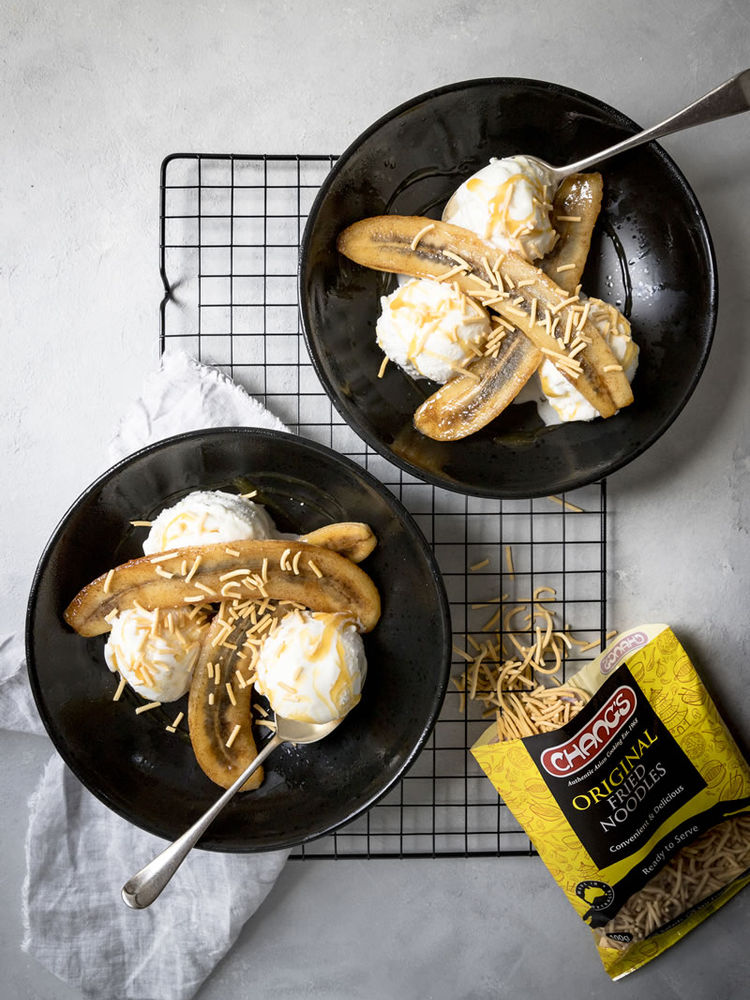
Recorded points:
230,232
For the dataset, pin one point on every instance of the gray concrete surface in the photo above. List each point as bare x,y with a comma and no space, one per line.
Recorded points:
94,95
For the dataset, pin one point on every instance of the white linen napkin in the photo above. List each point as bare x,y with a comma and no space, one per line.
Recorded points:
78,852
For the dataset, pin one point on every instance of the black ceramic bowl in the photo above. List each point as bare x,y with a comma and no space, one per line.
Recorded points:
651,256
150,776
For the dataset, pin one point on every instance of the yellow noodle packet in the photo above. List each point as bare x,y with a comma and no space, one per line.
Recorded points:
640,805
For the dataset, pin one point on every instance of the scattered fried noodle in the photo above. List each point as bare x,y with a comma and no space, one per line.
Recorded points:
517,675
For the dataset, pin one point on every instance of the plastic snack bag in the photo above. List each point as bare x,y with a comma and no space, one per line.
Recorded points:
640,805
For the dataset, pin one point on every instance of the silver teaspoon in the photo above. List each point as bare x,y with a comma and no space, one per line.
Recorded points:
143,888
731,98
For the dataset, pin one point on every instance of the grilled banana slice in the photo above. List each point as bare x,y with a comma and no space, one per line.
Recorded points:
213,716
352,539
555,322
574,214
469,402
280,570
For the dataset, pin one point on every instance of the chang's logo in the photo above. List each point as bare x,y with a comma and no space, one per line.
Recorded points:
569,757
622,648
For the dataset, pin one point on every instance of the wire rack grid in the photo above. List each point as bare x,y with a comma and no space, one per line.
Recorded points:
230,232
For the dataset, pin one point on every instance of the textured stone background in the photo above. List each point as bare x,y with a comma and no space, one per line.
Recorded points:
94,95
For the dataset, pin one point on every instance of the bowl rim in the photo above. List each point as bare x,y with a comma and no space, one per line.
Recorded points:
437,695
352,417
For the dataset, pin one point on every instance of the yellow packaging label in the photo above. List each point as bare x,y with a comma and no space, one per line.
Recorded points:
640,806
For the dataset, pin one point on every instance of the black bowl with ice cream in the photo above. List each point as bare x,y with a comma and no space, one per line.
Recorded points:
148,774
651,256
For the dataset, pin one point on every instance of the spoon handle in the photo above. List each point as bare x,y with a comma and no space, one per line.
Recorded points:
144,887
730,98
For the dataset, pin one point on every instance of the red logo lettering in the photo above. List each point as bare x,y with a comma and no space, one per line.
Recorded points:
588,742
622,648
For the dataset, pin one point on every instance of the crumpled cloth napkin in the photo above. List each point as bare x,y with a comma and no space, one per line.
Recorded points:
78,852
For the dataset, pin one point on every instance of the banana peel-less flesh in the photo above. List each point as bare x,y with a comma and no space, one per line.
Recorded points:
469,402
212,721
352,539
385,243
578,197
602,375
343,586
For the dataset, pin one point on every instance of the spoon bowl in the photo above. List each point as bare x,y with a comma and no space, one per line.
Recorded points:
293,731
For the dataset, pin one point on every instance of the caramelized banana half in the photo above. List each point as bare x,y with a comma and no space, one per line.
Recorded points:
352,539
281,570
574,214
524,296
469,402
214,716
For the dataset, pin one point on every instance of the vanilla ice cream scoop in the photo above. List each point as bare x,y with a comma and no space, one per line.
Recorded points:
205,517
155,651
312,667
428,328
507,203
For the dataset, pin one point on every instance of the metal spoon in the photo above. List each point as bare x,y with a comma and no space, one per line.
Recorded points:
731,98
143,888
